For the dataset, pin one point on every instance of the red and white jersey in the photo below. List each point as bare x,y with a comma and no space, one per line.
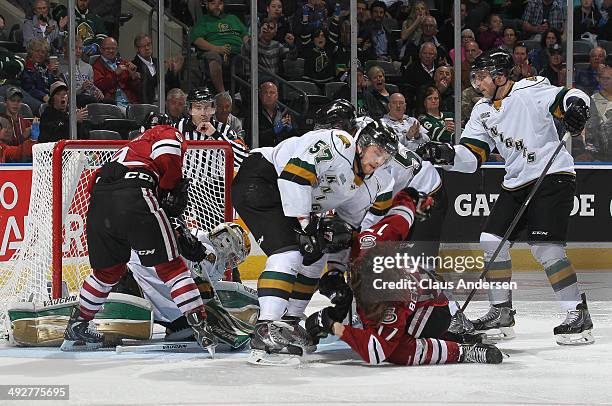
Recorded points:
160,150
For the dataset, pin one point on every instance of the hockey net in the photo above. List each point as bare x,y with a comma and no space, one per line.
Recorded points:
53,258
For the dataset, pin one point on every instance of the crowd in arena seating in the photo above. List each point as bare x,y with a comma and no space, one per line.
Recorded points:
405,48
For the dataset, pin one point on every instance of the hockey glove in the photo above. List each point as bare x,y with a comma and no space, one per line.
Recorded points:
333,286
189,246
423,204
576,115
308,242
437,153
334,234
175,201
320,324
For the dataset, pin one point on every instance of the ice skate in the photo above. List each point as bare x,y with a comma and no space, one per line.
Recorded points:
577,328
202,333
481,354
302,339
273,343
497,323
80,334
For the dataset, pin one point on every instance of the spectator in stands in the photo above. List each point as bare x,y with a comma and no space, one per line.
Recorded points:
493,36
469,98
116,77
376,96
275,124
466,36
522,69
539,57
407,128
345,91
11,67
363,14
509,40
13,153
55,121
553,68
175,104
439,125
443,79
586,19
39,73
586,79
42,26
4,34
218,37
90,28
420,72
312,16
274,9
223,114
109,12
446,35
377,31
318,51
18,128
542,15
477,13
472,51
411,27
605,23
430,30
270,53
86,92
601,131
147,67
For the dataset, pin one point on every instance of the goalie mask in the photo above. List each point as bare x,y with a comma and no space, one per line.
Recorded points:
231,243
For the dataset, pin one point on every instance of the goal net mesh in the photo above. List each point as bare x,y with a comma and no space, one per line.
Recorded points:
28,274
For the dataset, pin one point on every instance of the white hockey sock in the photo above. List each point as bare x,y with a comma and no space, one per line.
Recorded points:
271,307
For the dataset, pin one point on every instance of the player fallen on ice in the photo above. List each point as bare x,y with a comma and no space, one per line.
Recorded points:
276,191
517,119
131,199
401,326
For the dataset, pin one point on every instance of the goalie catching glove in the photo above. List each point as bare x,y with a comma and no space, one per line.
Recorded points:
439,153
576,115
174,202
323,236
423,203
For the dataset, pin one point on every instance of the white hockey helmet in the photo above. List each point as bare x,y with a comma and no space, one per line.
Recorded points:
231,243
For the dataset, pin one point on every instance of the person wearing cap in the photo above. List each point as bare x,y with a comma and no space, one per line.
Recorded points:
55,120
553,69
17,125
13,153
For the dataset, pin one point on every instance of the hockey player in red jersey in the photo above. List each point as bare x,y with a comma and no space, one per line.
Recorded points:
132,197
404,329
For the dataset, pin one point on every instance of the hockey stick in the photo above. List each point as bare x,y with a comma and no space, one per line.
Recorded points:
165,347
518,216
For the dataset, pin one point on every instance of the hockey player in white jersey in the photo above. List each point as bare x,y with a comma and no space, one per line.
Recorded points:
208,255
276,192
517,119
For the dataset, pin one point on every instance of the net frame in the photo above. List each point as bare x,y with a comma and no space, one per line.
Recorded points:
57,192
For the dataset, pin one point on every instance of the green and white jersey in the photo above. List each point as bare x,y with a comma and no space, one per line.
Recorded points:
521,127
435,127
316,173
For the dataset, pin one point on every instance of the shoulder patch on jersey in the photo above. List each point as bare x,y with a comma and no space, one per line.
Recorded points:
367,241
344,139
390,317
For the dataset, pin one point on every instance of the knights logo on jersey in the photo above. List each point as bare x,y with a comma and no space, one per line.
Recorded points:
390,317
344,140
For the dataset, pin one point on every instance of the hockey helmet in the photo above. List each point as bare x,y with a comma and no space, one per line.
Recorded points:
380,134
201,95
152,119
494,62
339,114
231,243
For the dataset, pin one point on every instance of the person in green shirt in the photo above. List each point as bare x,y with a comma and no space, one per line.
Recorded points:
439,125
218,37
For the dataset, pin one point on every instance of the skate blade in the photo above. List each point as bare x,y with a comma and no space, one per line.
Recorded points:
584,338
211,350
497,334
259,357
75,346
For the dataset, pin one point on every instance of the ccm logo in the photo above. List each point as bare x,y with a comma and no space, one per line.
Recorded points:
146,252
138,175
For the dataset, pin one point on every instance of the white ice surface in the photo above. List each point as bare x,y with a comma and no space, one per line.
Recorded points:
538,371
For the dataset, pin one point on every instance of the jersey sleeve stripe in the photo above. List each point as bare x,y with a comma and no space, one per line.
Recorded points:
556,109
479,148
382,204
166,142
165,150
299,172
